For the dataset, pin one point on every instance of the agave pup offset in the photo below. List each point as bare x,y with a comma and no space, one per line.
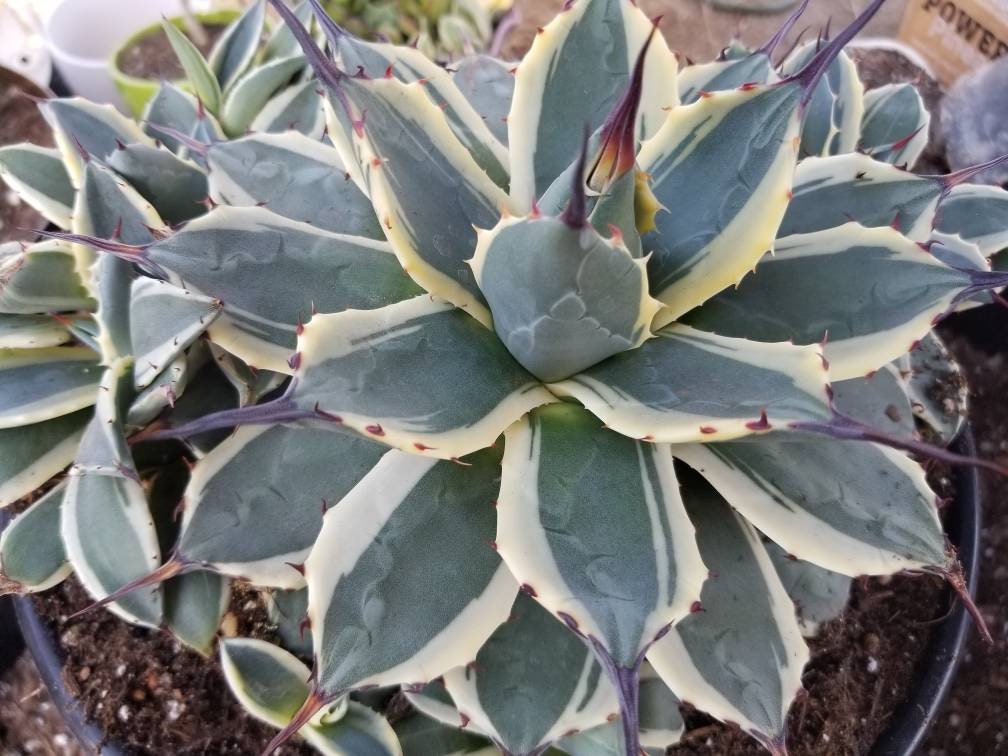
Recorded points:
525,420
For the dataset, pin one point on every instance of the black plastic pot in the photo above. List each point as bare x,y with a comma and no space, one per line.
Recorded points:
936,673
47,654
11,644
911,721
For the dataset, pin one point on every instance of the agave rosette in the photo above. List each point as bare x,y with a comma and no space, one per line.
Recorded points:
528,414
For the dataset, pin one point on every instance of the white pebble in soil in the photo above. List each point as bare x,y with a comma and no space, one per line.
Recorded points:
175,709
124,713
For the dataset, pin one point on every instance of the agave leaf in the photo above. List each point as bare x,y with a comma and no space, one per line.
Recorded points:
616,212
977,214
41,279
360,731
254,89
819,595
104,450
435,702
236,49
741,657
418,519
744,67
891,293
197,69
553,460
731,384
287,610
285,269
937,388
165,321
418,375
832,124
599,741
488,84
579,555
532,682
852,507
194,605
106,524
562,312
31,332
41,384
895,125
175,109
959,253
294,176
554,98
282,41
661,724
829,192
84,128
956,252
32,558
162,392
85,331
254,504
660,721
31,455
429,216
269,682
209,391
251,384
421,736
107,206
175,187
880,400
737,65
296,108
408,65
723,168
39,177
272,684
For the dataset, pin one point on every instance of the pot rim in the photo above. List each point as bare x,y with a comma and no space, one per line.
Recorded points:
34,88
214,18
911,721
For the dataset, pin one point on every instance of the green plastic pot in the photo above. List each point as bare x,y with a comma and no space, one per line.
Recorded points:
136,92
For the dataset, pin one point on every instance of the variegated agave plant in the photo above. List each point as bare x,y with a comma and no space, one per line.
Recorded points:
375,311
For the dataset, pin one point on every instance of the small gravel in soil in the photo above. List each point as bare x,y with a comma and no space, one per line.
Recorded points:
973,721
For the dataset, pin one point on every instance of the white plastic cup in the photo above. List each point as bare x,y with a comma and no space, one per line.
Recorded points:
83,34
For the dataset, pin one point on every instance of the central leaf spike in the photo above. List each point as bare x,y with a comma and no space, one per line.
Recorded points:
327,71
809,76
618,136
576,214
773,43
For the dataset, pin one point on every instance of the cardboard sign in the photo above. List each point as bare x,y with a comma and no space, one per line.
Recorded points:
956,36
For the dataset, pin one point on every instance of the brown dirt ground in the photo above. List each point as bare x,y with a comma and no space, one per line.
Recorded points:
152,56
20,121
702,41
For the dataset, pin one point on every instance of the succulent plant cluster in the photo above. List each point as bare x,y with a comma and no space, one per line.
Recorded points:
439,28
494,380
